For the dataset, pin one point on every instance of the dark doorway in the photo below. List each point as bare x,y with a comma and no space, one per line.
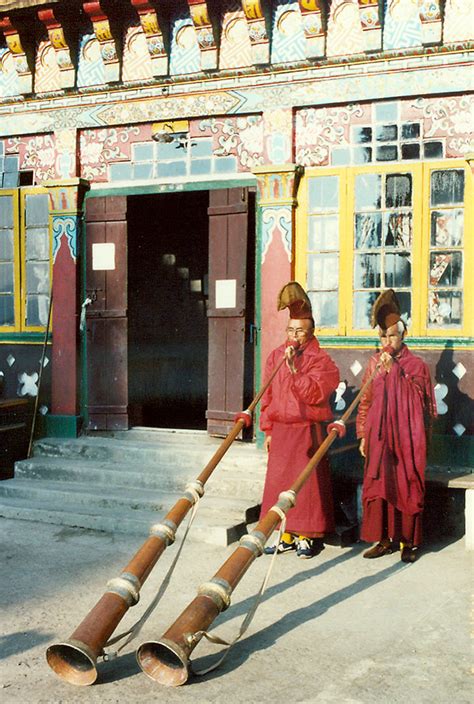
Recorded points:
168,256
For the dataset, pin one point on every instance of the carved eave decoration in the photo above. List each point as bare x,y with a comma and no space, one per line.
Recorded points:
205,33
154,36
257,28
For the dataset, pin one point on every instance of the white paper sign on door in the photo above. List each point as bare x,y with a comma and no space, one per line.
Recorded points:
226,293
103,256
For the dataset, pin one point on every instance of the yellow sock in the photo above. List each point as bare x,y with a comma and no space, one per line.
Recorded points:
287,538
303,537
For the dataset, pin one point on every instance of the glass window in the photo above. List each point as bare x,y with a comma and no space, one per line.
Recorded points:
386,112
433,150
388,152
323,232
361,135
410,151
386,133
411,130
324,193
368,191
447,187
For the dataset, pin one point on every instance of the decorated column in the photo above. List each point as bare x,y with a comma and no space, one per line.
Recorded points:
66,198
275,227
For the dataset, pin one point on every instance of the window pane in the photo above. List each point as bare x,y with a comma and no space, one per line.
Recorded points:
323,271
361,135
444,309
447,228
37,244
6,310
201,166
447,187
367,271
6,245
368,230
387,153
37,211
172,168
363,303
6,277
410,130
6,211
386,133
362,155
324,193
397,270
324,305
398,230
37,277
398,190
433,150
323,232
368,193
410,151
446,268
37,310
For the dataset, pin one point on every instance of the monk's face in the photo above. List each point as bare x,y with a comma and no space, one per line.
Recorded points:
299,330
393,337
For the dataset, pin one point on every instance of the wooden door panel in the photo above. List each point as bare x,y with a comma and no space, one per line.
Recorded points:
228,235
107,327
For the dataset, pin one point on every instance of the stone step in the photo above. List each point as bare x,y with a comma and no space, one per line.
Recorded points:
177,455
223,482
206,528
63,493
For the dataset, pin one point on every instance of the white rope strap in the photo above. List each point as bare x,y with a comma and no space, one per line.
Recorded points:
250,614
137,627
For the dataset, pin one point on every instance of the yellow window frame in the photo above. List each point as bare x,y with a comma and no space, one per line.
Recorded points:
421,173
19,244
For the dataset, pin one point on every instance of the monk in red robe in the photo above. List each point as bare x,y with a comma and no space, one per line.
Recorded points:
392,421
292,412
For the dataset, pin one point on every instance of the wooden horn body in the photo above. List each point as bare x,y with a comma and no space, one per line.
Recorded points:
75,659
167,660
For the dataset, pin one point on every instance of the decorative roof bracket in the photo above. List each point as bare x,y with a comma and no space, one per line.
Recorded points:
154,36
60,46
103,33
205,34
370,23
14,43
256,23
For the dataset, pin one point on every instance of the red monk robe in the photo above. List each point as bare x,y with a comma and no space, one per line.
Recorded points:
393,416
292,411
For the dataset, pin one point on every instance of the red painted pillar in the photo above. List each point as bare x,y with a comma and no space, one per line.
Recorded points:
66,198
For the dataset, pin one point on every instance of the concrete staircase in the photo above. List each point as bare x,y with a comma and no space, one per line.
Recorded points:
125,481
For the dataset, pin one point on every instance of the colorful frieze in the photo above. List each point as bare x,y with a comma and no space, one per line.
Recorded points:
370,22
431,23
288,37
185,56
402,26
154,36
312,17
91,69
204,34
47,75
103,34
405,130
241,137
236,48
101,147
344,33
137,65
278,131
60,46
458,22
37,154
257,29
9,84
14,44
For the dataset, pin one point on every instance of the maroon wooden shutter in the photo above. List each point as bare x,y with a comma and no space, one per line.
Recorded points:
106,222
228,235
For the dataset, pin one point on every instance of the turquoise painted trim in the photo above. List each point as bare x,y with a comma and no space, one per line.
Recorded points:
259,435
30,338
434,343
130,188
62,426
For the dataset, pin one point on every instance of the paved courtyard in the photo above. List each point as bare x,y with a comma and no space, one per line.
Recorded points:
335,629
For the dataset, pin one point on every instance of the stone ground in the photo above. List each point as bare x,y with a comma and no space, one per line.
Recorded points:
335,629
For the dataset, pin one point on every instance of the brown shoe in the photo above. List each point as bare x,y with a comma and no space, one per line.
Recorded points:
409,554
379,550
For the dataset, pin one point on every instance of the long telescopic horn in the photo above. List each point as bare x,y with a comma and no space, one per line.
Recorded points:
167,660
75,659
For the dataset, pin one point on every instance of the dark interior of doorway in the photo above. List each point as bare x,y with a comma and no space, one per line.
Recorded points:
168,254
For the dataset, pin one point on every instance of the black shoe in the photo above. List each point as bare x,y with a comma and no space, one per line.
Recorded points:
309,547
409,554
379,550
282,547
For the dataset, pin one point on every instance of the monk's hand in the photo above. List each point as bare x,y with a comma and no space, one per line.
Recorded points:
290,359
362,447
267,443
386,360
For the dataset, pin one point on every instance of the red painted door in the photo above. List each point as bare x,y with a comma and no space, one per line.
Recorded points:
106,316
230,376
